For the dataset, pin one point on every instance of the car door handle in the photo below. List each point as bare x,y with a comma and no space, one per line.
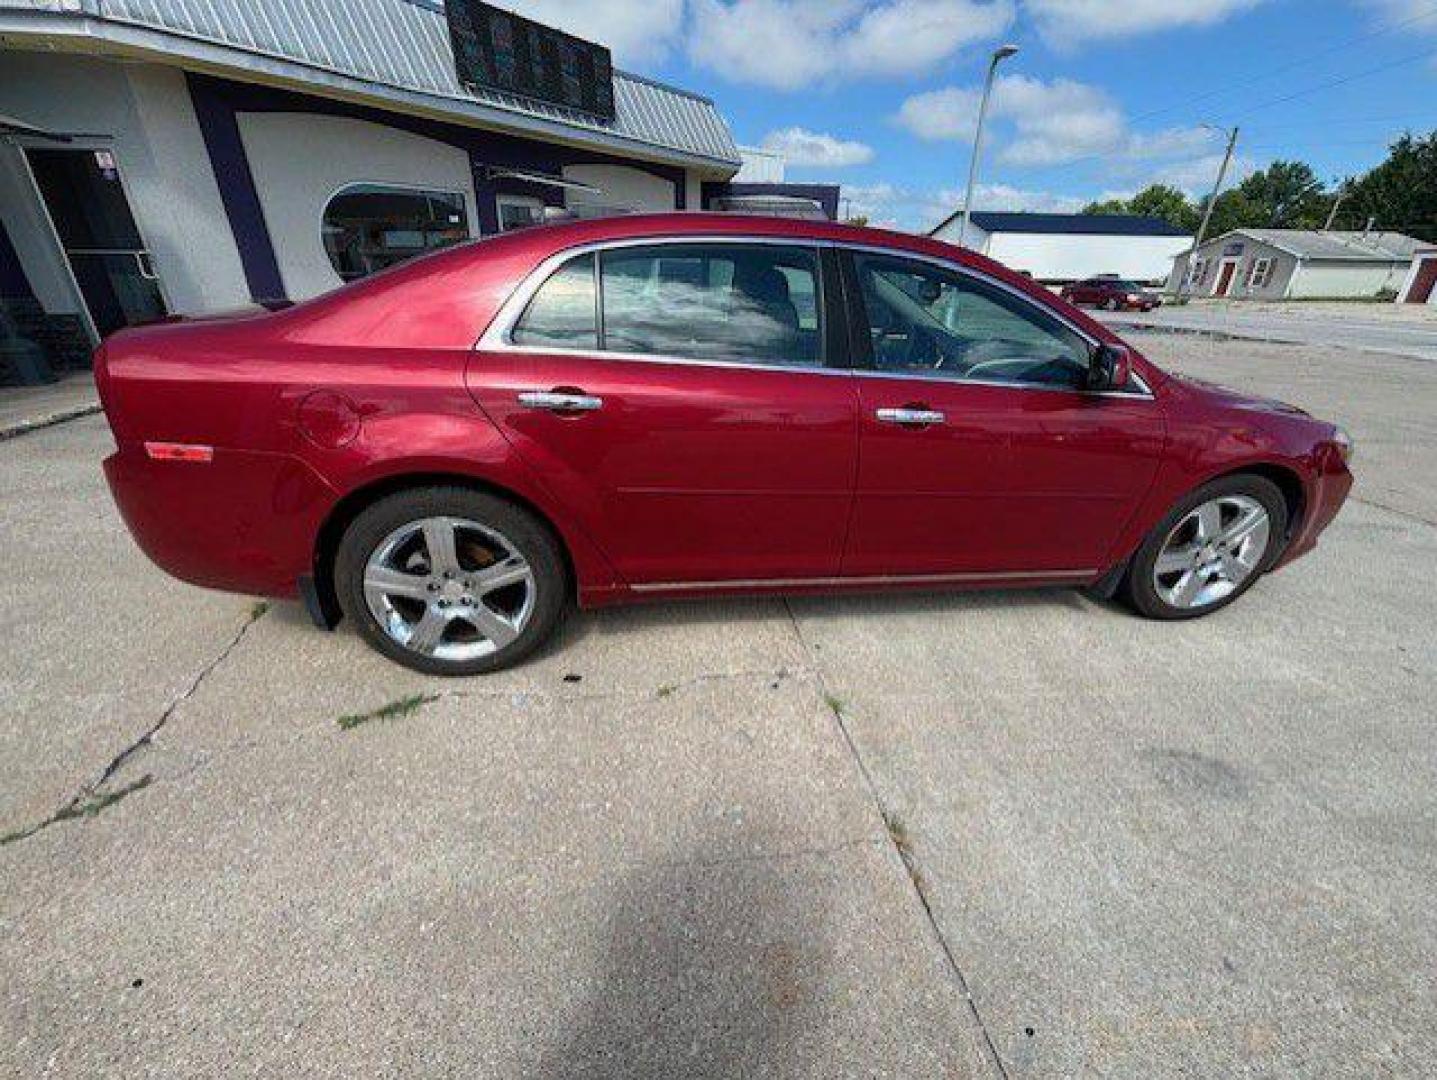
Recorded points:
560,401
910,417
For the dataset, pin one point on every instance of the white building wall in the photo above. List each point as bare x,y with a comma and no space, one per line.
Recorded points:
621,188
1346,280
146,113
300,160
1053,257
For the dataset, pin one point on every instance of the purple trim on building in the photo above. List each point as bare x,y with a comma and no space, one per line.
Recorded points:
216,115
826,195
220,100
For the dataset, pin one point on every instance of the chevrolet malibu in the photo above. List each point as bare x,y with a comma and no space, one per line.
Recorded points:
449,452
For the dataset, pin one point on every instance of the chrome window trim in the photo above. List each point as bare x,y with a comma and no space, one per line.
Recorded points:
498,336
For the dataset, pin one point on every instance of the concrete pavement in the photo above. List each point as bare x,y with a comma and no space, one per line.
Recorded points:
734,838
1376,328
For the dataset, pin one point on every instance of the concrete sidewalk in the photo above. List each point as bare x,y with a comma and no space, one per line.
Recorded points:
1016,834
25,408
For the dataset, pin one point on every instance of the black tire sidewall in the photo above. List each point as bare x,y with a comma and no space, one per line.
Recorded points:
1139,588
534,540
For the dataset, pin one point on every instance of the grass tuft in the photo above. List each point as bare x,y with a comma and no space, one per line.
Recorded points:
87,807
392,711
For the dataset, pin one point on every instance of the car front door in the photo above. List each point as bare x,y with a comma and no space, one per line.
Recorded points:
676,397
980,453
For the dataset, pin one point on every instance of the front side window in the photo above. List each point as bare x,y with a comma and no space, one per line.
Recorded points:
370,226
757,303
926,320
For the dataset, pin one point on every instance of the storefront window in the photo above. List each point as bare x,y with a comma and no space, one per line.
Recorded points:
370,226
519,212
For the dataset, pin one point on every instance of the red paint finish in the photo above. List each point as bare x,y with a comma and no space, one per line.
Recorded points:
693,477
1013,480
688,471
1111,293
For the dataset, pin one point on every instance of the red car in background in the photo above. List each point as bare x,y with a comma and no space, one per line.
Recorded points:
449,452
1110,294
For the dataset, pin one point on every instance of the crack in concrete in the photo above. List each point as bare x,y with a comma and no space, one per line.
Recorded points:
1418,518
899,845
92,798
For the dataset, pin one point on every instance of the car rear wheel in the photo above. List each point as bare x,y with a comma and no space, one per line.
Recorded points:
450,581
1209,550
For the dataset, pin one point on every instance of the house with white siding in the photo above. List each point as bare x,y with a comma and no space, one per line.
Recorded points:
1298,264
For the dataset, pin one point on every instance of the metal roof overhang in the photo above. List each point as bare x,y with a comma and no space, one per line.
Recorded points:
78,33
496,173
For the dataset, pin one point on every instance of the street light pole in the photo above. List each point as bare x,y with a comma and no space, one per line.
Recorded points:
1207,214
999,55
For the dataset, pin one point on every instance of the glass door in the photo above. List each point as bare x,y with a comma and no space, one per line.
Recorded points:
87,205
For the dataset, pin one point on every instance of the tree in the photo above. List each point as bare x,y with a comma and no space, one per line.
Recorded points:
1159,201
1401,193
1111,206
1167,203
1285,195
857,219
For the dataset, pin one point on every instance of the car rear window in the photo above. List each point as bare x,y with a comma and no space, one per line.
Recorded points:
563,313
754,303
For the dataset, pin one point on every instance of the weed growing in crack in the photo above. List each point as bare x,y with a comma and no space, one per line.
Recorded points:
835,705
88,806
392,711
258,610
667,690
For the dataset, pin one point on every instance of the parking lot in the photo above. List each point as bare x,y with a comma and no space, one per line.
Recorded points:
1020,834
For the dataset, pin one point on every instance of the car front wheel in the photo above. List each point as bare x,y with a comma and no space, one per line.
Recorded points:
1209,550
450,581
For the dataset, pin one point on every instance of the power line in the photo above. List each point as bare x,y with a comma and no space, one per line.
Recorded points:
1332,83
1301,61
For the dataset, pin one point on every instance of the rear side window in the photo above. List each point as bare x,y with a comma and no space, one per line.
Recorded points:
759,303
563,313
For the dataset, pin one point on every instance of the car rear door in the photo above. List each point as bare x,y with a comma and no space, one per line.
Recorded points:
980,454
676,396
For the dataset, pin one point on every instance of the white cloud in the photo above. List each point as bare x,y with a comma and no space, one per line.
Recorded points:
1051,122
802,147
636,30
1067,22
1196,177
789,44
891,206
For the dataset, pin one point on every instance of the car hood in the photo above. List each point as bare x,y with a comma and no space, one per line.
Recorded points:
1228,398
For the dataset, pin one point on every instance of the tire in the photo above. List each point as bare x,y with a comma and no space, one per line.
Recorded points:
1110,305
1178,539
496,591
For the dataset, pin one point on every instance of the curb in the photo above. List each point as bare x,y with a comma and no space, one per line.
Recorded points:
39,423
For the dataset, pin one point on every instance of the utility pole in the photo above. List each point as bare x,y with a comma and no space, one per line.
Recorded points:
999,55
1207,214
1336,206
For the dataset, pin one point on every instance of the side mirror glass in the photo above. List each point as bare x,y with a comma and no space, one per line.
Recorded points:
1110,368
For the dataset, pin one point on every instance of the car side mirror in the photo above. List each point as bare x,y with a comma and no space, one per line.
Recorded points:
1109,367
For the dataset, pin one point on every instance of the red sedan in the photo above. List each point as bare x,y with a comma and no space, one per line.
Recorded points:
1111,294
450,451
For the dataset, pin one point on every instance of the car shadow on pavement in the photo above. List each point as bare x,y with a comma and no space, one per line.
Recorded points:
714,966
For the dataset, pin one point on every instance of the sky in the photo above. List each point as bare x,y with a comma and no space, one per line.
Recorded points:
1104,97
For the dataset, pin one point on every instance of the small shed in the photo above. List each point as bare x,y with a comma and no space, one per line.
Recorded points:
1298,264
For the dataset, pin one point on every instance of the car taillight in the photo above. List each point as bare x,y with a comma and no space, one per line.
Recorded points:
169,451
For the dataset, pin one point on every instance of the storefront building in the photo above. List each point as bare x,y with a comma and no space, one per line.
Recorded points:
180,157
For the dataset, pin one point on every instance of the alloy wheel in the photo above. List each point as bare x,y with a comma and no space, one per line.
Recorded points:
449,588
1210,553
